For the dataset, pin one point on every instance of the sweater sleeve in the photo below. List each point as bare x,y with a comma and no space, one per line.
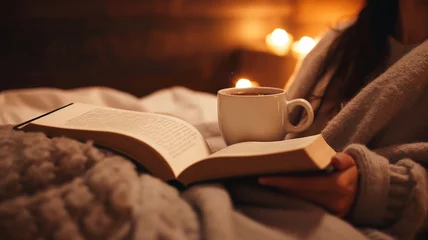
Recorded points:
391,197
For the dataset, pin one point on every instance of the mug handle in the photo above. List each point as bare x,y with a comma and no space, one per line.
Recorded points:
291,105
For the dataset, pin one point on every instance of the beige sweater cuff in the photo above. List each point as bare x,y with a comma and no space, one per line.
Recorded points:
390,196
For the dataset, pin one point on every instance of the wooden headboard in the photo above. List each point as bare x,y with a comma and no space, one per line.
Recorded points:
137,46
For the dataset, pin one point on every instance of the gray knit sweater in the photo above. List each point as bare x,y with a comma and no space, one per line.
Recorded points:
385,128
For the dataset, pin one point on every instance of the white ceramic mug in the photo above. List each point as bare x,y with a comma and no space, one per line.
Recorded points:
258,114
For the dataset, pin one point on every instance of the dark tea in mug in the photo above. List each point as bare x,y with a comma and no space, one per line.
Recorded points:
250,94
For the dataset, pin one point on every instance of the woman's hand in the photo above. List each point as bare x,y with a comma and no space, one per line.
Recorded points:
335,192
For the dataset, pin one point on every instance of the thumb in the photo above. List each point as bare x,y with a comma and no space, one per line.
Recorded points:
342,161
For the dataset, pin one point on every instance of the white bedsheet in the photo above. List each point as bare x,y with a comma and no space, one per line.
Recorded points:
19,105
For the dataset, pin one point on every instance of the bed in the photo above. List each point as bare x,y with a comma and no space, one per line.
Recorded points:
17,105
63,189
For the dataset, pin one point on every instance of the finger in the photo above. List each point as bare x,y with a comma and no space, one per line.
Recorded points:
325,200
339,182
342,161
331,202
320,198
316,183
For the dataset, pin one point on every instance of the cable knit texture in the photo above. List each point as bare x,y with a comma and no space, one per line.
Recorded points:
63,189
390,196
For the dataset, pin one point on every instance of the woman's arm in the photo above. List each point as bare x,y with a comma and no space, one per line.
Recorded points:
335,192
392,197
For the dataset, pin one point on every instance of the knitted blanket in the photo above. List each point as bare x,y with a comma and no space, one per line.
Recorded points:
63,189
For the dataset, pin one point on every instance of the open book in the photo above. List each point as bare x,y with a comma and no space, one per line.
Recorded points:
172,149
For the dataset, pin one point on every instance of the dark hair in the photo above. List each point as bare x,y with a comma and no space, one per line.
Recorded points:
361,49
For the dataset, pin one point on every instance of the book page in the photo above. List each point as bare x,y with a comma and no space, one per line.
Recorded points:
263,148
177,141
256,158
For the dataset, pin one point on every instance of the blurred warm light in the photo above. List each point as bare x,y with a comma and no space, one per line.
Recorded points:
245,83
279,41
303,46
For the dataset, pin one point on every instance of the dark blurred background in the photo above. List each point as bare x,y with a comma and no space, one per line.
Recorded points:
140,46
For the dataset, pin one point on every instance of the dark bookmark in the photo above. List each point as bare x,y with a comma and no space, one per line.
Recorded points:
17,127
